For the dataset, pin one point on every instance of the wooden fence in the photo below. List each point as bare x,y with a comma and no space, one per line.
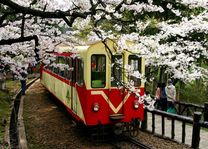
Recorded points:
188,109
195,121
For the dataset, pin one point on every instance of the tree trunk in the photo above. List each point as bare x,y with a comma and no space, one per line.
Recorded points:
2,81
2,85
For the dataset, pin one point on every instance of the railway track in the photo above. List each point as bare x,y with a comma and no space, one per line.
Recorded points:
139,144
129,143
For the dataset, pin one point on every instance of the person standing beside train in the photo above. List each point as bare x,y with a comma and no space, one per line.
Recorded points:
23,79
157,96
163,97
171,95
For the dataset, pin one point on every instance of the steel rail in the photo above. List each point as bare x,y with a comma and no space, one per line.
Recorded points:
137,143
117,143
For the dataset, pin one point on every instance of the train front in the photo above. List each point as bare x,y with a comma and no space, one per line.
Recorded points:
111,89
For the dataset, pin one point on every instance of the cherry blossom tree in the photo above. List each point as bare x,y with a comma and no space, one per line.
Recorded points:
170,34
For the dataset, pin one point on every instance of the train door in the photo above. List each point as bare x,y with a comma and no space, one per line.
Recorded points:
78,81
69,71
116,92
79,84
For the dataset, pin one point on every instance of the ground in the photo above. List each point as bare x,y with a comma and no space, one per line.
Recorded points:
49,127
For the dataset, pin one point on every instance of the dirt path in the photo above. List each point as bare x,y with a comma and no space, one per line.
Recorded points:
47,127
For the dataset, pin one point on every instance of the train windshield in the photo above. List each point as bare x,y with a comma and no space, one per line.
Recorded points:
135,63
116,70
98,71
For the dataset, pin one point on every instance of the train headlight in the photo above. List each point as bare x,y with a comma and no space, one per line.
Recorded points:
136,104
96,107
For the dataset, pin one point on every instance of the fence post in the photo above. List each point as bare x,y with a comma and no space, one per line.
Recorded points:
144,123
206,111
196,130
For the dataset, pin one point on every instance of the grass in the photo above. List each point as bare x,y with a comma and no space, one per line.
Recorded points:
4,111
12,86
5,102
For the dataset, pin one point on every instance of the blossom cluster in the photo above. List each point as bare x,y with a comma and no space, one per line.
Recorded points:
175,45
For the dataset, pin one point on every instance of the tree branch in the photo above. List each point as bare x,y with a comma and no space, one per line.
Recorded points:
43,14
20,39
23,25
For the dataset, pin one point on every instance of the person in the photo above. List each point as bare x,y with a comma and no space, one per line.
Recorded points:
163,97
171,95
157,96
23,79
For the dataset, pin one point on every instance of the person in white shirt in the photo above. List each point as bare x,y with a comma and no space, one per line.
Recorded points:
171,93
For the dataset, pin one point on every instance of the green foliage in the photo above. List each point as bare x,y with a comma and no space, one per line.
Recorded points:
152,28
4,111
84,32
194,11
195,92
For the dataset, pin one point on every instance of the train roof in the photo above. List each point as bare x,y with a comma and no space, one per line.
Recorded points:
60,48
97,44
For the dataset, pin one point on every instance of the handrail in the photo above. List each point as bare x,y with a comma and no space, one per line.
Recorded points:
185,108
195,121
172,116
190,104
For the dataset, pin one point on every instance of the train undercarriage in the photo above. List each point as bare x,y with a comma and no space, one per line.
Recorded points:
104,133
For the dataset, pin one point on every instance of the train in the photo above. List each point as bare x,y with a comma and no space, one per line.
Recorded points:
90,86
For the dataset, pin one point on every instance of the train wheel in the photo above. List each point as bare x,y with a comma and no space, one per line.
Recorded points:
133,131
134,128
118,129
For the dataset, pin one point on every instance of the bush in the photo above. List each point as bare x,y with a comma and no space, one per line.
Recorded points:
194,93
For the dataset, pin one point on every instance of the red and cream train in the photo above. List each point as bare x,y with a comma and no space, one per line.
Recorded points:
87,89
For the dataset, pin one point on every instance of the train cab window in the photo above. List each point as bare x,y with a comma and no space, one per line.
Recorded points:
116,70
135,63
98,71
80,72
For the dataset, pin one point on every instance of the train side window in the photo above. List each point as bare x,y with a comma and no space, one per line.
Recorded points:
98,71
80,71
55,68
61,65
116,70
68,69
135,63
50,67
